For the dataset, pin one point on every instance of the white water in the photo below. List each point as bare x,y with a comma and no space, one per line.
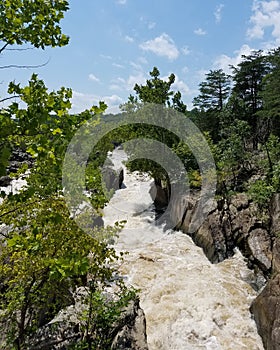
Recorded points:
189,303
14,187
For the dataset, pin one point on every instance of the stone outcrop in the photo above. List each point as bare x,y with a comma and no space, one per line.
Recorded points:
131,329
266,310
18,159
113,178
159,196
228,225
129,333
236,223
266,307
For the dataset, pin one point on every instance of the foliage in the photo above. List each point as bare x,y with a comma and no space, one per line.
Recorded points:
99,319
248,77
214,92
35,22
45,255
261,192
156,91
269,94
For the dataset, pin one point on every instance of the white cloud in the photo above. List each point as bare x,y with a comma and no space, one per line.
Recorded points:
151,25
117,65
185,70
82,101
162,45
93,77
266,14
107,57
142,60
224,61
139,78
200,31
218,13
127,85
136,66
121,2
181,86
129,39
185,50
115,87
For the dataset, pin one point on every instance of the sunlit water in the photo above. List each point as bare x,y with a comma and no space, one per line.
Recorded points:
189,303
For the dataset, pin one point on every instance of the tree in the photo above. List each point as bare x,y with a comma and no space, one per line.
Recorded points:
214,92
159,91
44,254
270,113
35,22
247,77
21,22
156,91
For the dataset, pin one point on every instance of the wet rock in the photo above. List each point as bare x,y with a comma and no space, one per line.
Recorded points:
240,201
275,231
266,311
227,226
259,243
159,196
129,333
18,159
5,181
131,330
113,178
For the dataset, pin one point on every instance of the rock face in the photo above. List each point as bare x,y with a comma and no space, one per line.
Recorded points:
266,310
17,159
131,330
65,330
113,178
266,307
159,196
228,225
236,223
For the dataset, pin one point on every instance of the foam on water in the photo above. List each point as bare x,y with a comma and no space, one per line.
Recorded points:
189,303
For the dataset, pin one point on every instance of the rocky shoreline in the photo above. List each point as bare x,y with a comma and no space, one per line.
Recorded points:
236,224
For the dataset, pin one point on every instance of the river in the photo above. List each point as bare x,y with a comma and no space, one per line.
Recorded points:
189,303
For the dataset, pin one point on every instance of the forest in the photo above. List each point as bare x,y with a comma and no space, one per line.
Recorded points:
44,252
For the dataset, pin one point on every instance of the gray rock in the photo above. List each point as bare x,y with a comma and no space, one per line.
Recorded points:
129,333
259,243
113,179
266,311
5,181
159,196
131,330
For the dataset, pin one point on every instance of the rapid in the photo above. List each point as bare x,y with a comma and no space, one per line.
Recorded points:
189,303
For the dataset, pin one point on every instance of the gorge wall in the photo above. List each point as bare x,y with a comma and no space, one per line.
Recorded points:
236,223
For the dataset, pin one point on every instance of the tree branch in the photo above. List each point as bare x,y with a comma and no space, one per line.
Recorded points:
4,47
9,98
25,66
22,49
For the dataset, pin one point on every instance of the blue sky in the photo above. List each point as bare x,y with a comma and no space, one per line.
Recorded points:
115,43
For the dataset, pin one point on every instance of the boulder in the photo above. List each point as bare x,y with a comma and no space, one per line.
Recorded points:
266,311
131,329
159,196
259,243
129,333
5,181
112,178
275,231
